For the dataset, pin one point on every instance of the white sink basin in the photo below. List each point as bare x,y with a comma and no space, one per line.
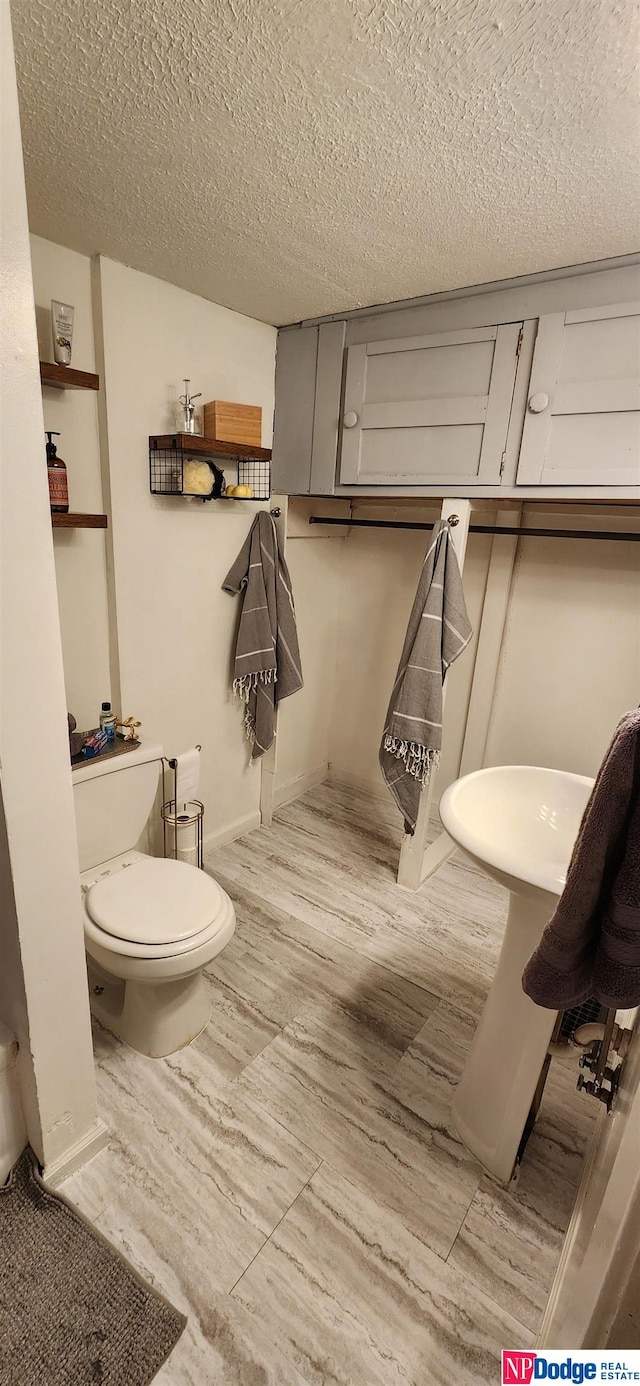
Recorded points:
518,822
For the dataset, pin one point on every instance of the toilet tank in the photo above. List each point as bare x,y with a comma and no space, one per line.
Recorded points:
113,798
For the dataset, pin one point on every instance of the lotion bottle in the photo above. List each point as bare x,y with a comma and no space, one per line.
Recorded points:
57,474
62,324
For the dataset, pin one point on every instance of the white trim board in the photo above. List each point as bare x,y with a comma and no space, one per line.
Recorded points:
279,509
377,788
221,836
294,788
94,1140
563,495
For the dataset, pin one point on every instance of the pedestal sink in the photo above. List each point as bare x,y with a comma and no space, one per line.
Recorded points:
519,824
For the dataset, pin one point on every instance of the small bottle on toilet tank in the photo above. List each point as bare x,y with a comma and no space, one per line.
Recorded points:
108,721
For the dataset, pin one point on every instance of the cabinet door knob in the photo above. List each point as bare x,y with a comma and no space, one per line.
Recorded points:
538,403
350,419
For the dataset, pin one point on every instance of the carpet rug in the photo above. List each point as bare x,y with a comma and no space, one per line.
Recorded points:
73,1312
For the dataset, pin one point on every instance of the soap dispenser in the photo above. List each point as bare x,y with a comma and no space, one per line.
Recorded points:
57,474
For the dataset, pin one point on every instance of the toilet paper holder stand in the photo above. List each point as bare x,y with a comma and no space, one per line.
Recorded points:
182,822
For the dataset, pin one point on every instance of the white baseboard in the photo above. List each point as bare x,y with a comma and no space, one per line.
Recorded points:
221,836
293,789
13,1130
89,1145
377,788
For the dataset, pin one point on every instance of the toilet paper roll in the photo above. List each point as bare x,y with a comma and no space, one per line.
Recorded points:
188,777
186,847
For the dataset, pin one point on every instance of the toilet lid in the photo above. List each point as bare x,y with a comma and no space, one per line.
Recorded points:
154,901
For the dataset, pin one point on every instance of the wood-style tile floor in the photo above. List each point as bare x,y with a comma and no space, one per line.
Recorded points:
291,1180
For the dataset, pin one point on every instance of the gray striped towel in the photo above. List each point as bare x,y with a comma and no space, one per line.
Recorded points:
438,631
267,660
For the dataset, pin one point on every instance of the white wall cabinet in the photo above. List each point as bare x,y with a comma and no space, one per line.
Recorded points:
532,389
427,410
582,422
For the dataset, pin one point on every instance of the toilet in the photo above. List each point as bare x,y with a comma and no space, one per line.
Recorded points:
151,925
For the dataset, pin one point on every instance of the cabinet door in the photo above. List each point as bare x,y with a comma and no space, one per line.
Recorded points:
582,424
425,411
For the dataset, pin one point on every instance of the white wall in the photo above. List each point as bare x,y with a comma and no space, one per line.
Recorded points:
570,663
305,721
79,553
43,984
175,626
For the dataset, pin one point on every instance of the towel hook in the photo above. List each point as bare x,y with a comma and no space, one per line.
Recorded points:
453,520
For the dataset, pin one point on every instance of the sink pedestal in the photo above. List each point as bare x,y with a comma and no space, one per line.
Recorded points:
494,1095
518,823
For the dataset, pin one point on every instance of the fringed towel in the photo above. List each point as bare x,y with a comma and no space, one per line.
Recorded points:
438,631
591,946
267,659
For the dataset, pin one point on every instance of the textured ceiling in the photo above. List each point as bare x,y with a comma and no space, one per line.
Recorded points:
296,157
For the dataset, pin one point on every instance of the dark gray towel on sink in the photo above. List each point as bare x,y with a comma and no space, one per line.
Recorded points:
591,946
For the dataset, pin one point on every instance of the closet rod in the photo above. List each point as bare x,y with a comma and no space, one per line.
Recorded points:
484,529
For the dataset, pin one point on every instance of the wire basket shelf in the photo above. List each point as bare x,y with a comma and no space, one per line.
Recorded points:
169,454
166,471
257,475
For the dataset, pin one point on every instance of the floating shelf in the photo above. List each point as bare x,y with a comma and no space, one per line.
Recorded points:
77,521
193,444
65,378
168,453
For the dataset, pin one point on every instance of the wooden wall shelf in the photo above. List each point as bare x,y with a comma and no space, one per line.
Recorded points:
65,378
78,521
194,445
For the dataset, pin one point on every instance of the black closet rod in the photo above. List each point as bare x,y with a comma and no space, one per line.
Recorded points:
484,529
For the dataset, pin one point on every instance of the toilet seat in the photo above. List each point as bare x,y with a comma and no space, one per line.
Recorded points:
154,901
154,908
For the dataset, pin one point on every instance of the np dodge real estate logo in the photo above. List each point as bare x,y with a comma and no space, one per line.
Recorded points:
522,1368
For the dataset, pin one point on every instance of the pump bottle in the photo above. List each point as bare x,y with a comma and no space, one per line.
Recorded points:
57,474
